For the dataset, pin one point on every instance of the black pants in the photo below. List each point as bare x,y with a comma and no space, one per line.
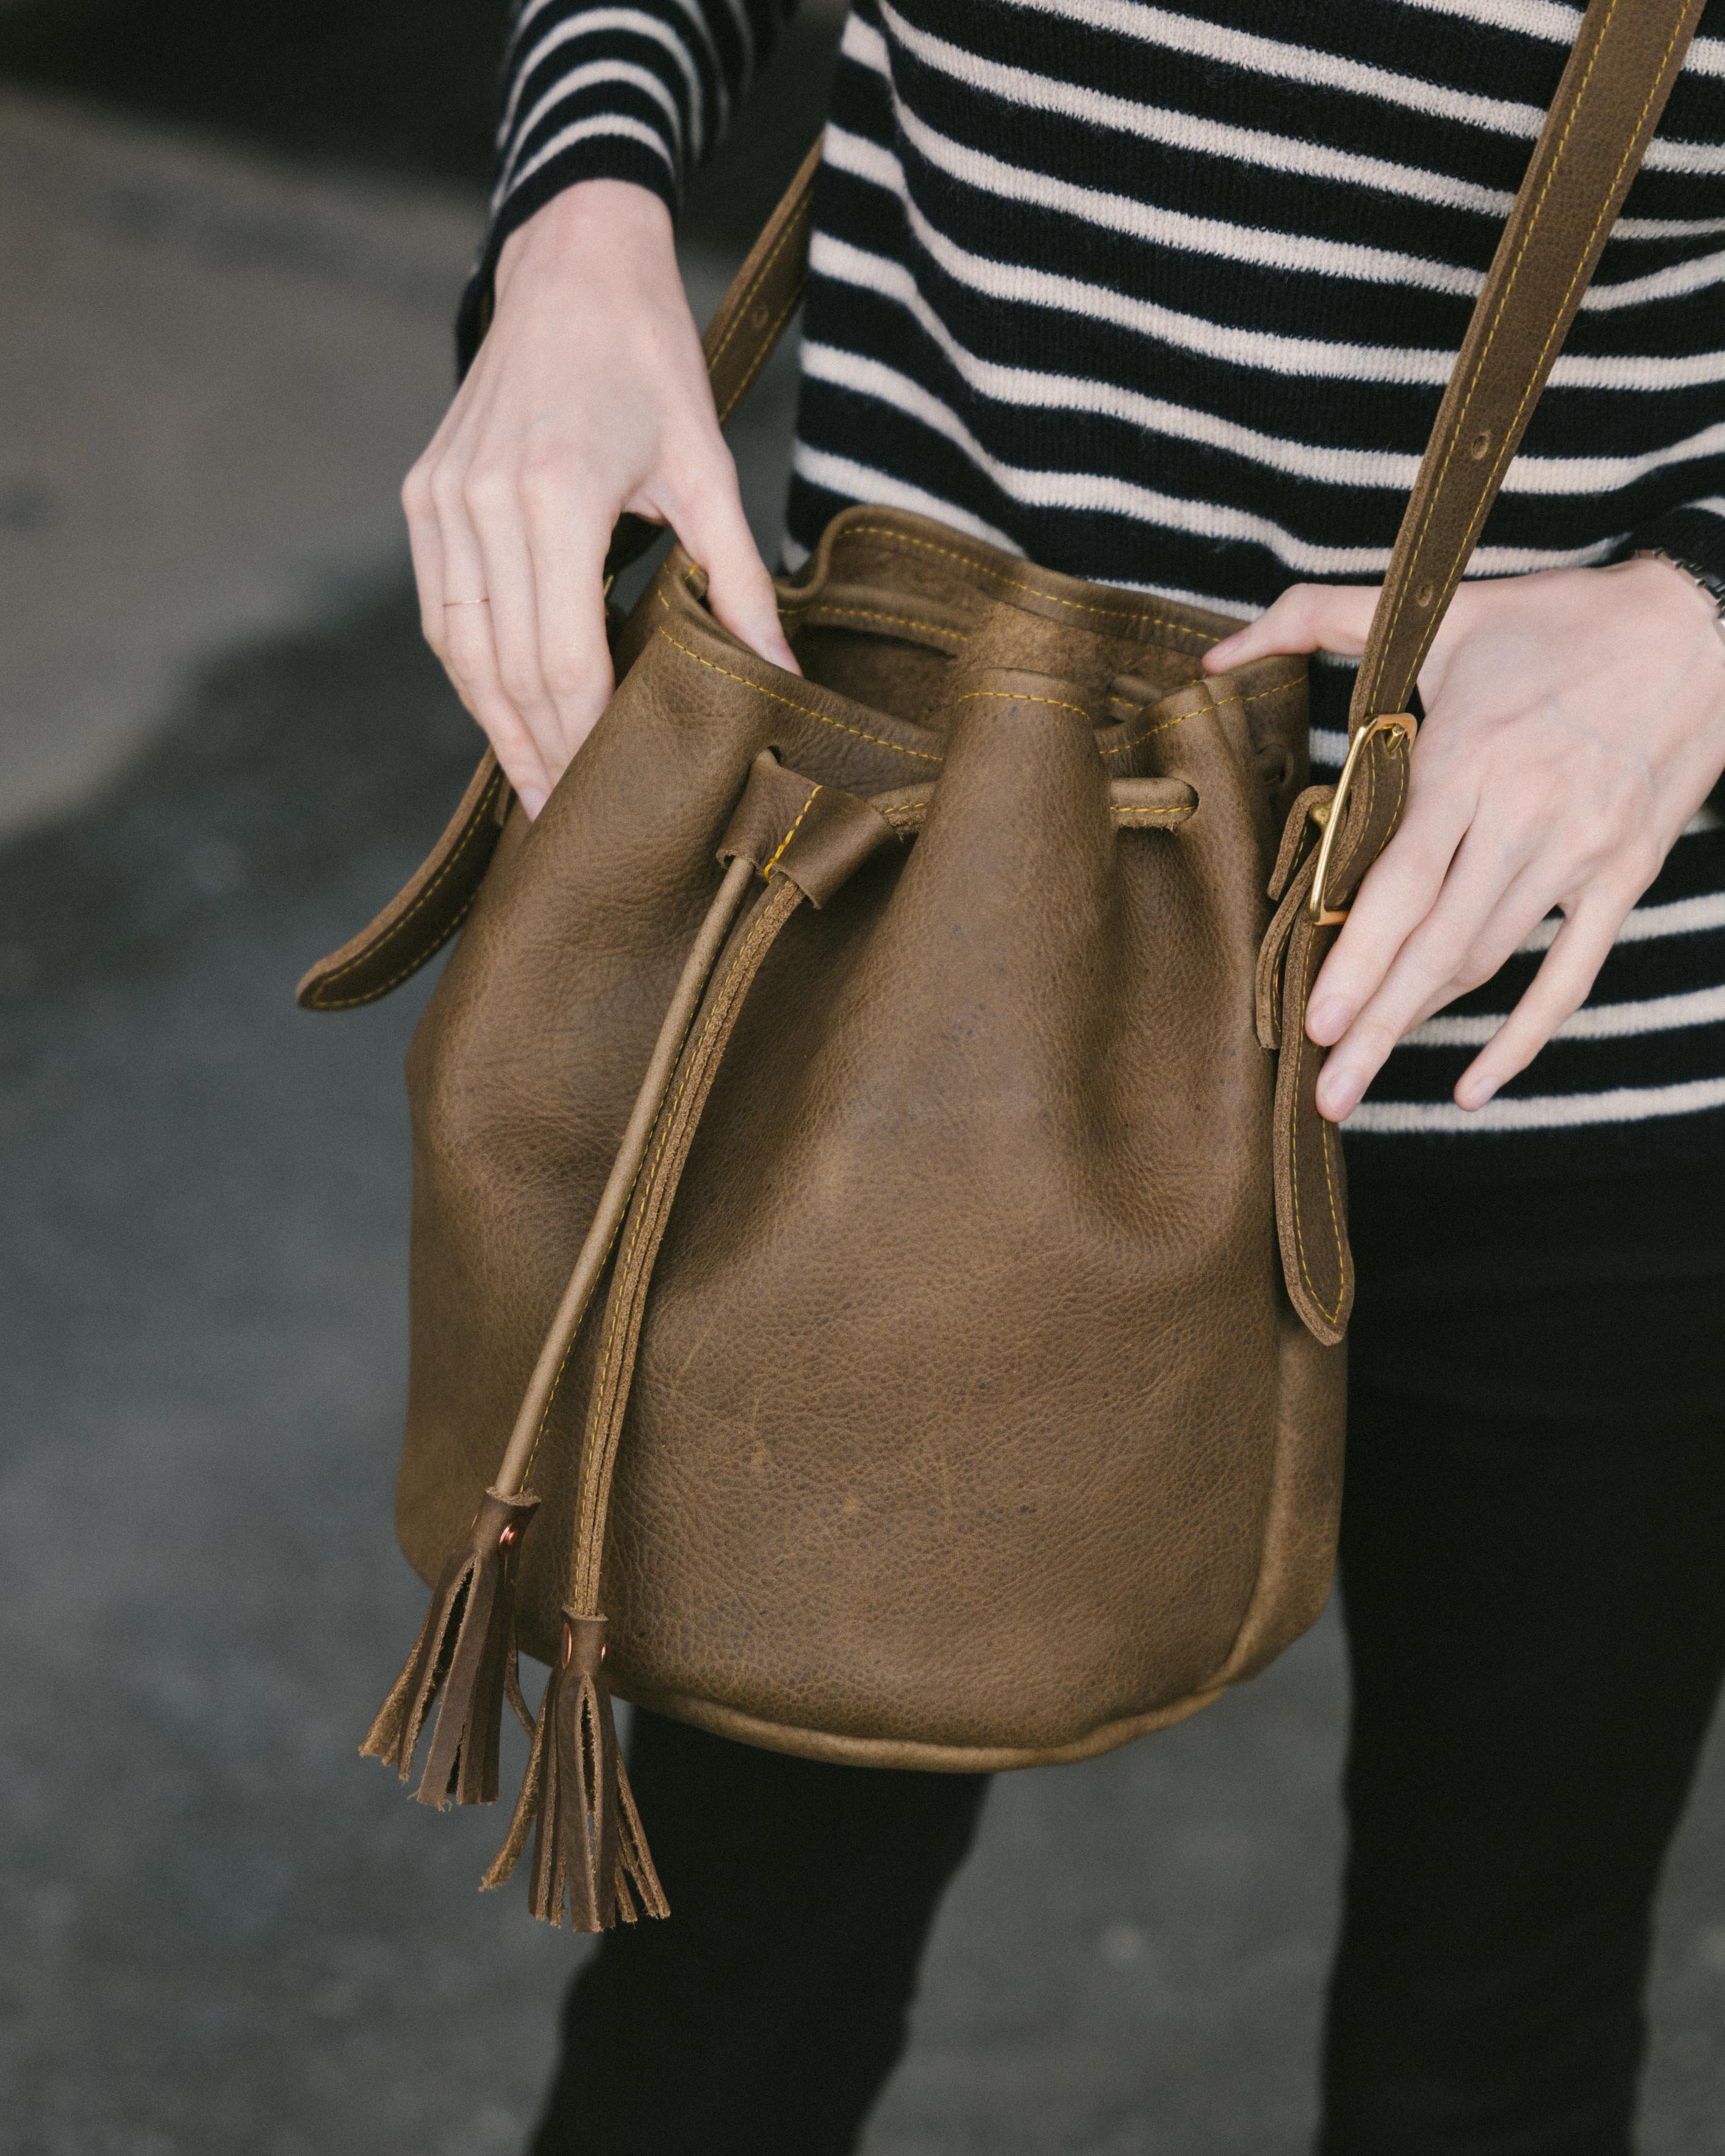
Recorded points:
1533,1581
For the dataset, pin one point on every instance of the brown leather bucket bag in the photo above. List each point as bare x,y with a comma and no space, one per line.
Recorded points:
870,1221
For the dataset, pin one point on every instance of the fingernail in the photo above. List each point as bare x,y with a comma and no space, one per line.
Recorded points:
1326,1020
1337,1094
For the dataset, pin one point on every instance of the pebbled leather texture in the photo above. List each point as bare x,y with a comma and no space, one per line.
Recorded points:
968,1424
949,1406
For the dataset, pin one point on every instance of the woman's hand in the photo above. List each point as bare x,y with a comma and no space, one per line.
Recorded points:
589,397
1574,722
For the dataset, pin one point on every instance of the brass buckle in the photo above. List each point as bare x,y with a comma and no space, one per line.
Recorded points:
1327,815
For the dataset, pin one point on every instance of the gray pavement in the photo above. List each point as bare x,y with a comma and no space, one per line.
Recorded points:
216,367
225,345
223,1931
227,1932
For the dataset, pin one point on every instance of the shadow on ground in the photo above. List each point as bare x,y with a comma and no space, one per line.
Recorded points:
403,87
229,1931
226,1930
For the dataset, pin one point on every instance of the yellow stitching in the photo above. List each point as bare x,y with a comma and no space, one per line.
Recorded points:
1215,704
462,840
1162,726
792,832
1294,1149
760,929
1329,1139
412,966
1115,808
1528,393
1294,1161
769,339
1019,584
1330,1143
798,216
1006,696
1149,703
876,614
1325,1139
790,704
1458,428
1503,299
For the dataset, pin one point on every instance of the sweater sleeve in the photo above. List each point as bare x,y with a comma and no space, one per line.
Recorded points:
640,92
1693,533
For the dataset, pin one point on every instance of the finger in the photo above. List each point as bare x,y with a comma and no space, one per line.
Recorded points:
1305,617
1523,905
1557,991
1398,893
496,515
1426,973
426,547
470,651
568,552
472,667
425,543
711,525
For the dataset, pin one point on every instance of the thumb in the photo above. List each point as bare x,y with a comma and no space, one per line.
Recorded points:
1306,617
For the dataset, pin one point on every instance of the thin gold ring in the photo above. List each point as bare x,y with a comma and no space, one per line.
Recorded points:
479,602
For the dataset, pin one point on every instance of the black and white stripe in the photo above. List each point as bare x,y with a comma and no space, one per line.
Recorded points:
1164,295
621,90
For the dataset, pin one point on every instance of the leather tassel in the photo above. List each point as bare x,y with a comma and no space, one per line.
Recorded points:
466,1651
589,1854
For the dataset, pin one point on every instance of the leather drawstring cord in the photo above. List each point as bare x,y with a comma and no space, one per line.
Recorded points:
466,1648
589,1853
590,1856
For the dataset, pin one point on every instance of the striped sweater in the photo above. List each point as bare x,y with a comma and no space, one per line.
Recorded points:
1166,295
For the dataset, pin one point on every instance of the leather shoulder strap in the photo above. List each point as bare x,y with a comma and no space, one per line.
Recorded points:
1627,55
765,293
1607,107
1608,104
